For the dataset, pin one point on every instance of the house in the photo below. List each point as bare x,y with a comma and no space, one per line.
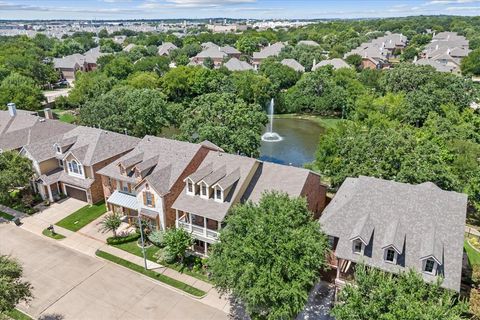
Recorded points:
67,66
148,179
294,64
217,54
68,163
435,64
336,63
269,51
237,65
19,127
445,52
395,227
166,48
307,43
129,47
223,180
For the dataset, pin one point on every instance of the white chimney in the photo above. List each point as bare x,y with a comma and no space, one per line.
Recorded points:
415,59
12,109
48,113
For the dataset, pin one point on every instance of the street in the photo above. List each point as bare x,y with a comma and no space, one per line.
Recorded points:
71,285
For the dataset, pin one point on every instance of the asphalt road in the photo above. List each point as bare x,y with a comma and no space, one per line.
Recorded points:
71,285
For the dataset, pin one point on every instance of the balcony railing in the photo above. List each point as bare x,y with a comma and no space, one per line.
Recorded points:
198,230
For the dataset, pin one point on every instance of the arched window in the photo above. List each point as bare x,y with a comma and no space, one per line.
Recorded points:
75,167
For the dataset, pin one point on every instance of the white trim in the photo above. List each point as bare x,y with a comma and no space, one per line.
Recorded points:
202,184
434,268
215,189
395,255
362,246
190,182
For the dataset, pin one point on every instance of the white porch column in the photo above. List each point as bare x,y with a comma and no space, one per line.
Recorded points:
205,227
190,221
50,196
176,218
205,252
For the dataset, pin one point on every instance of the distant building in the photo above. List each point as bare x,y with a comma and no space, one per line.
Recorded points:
307,43
216,53
269,51
294,64
165,48
67,66
336,63
225,28
235,64
445,52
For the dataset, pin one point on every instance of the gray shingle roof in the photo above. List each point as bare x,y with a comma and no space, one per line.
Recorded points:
271,50
212,52
294,64
308,43
237,65
336,63
165,48
431,219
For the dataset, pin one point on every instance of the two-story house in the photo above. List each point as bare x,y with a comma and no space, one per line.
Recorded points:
148,179
68,163
395,227
224,180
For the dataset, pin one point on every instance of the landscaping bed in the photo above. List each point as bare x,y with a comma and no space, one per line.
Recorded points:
50,234
82,217
152,274
6,216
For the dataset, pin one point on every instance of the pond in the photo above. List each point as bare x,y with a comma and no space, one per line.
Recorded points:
299,142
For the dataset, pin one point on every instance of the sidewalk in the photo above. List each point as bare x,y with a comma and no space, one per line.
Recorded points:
13,212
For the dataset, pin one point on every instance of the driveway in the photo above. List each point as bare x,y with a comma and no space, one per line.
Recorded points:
51,215
71,285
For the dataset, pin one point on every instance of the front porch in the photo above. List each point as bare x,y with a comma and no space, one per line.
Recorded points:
204,228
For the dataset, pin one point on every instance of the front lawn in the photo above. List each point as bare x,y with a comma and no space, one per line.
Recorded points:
50,234
65,115
82,217
6,216
151,254
17,315
473,255
152,274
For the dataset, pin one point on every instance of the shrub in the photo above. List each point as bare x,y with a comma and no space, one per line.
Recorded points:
177,242
476,274
121,240
475,302
156,237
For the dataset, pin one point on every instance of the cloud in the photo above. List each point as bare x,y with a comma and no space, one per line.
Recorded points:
449,2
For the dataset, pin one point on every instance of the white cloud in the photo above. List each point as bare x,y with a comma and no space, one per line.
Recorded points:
448,2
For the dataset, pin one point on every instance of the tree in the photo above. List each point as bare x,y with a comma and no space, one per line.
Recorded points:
89,85
252,87
119,68
304,54
22,91
470,65
15,173
157,64
281,76
248,45
111,222
225,120
269,256
177,242
208,63
379,295
354,60
138,111
13,289
143,80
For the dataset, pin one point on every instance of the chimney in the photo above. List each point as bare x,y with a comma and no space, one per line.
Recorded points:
415,59
12,109
48,113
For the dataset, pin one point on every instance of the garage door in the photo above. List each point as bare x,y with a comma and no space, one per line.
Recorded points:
76,193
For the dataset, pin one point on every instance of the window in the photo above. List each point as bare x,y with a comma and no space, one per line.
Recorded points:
58,149
429,266
331,242
148,199
125,187
204,190
218,194
357,247
60,163
75,167
390,255
190,187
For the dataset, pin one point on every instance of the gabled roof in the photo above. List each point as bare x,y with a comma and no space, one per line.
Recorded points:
269,51
230,50
294,64
430,220
165,48
307,43
212,52
237,65
336,63
215,176
438,66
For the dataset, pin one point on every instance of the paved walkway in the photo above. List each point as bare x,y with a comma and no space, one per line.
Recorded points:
70,285
89,239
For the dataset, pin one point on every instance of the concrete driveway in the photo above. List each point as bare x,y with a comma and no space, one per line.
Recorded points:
71,285
51,215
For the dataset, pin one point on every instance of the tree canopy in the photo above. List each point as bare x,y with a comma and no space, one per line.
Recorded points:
22,91
226,120
269,256
379,295
13,289
15,173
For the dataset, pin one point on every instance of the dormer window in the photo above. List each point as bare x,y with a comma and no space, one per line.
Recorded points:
58,149
390,255
218,194
429,266
204,190
190,187
358,247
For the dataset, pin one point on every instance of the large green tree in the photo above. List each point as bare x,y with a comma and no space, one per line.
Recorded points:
269,256
15,173
22,91
13,289
225,120
379,295
138,111
471,64
89,85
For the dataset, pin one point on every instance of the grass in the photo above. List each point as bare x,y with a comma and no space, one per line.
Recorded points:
151,274
50,234
325,122
17,315
64,115
150,253
6,215
473,255
82,217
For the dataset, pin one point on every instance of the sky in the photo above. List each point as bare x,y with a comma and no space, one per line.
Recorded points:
254,9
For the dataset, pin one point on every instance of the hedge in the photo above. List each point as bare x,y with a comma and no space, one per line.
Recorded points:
121,240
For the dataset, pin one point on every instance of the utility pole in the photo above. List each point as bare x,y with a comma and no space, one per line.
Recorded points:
143,241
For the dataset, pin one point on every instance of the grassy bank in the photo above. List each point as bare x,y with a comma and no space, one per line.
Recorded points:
473,255
65,115
17,315
50,234
6,216
82,217
152,274
325,122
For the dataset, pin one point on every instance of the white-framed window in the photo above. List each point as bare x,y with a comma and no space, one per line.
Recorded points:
125,187
148,199
218,194
429,266
75,167
60,163
58,149
190,187
357,247
203,190
390,255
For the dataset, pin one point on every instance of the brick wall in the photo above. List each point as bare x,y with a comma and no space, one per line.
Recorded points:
177,188
316,194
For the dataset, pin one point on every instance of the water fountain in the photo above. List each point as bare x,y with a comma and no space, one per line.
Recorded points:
271,136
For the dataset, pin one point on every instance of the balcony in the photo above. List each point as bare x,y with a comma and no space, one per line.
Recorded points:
198,230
